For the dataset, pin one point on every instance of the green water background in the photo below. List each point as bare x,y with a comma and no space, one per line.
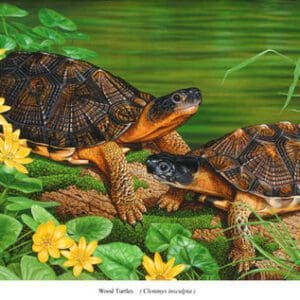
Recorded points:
161,46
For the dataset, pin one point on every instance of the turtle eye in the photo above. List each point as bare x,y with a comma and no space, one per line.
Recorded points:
176,98
164,167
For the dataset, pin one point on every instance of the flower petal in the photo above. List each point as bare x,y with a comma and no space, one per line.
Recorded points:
91,247
23,152
89,267
158,263
65,253
37,247
2,120
65,243
70,263
54,252
4,108
59,231
82,244
148,265
21,168
77,270
43,256
175,271
95,260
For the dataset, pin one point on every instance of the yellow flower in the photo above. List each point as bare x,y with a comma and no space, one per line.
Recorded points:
49,239
12,153
158,270
9,134
80,257
2,51
3,108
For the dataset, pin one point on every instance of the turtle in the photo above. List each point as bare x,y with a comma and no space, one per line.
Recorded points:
253,169
70,110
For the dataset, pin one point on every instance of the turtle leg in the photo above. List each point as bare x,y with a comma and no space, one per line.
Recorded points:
111,160
172,143
243,251
238,216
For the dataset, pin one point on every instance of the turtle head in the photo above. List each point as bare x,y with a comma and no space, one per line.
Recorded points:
176,170
177,106
162,115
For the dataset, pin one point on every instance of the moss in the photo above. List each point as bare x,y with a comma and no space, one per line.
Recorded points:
45,167
138,156
265,243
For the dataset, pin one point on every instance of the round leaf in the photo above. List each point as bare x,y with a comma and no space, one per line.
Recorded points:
32,269
75,36
120,260
33,225
49,34
10,229
192,254
91,227
22,203
41,215
12,179
6,274
52,18
69,276
159,235
9,10
7,42
79,53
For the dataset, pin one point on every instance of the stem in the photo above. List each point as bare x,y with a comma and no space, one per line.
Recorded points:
24,235
4,26
2,196
18,246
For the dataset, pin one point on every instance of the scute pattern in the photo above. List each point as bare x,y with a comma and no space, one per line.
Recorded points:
64,102
261,159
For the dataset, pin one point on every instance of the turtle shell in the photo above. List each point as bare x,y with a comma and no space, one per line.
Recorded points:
64,102
262,159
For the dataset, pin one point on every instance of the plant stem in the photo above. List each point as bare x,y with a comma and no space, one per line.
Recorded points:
4,26
2,196
18,246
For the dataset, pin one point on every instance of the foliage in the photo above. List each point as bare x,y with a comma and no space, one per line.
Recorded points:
291,91
287,267
51,35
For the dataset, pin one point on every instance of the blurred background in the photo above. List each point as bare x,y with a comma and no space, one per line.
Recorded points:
161,46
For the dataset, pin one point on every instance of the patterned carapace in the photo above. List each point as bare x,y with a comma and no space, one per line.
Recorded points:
64,102
263,159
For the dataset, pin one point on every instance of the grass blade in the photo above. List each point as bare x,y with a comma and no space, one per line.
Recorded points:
252,60
292,86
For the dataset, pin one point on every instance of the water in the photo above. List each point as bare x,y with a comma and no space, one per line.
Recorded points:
161,46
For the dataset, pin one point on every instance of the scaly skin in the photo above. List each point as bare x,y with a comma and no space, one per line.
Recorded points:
111,160
172,143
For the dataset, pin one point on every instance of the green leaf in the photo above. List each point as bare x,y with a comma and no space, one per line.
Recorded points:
32,269
10,229
119,260
159,235
49,34
12,179
192,254
27,43
15,268
41,215
79,53
52,18
253,59
75,36
33,225
293,85
21,203
69,276
7,42
9,10
7,274
91,227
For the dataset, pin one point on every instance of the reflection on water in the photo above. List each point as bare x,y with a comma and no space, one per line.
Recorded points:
160,46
